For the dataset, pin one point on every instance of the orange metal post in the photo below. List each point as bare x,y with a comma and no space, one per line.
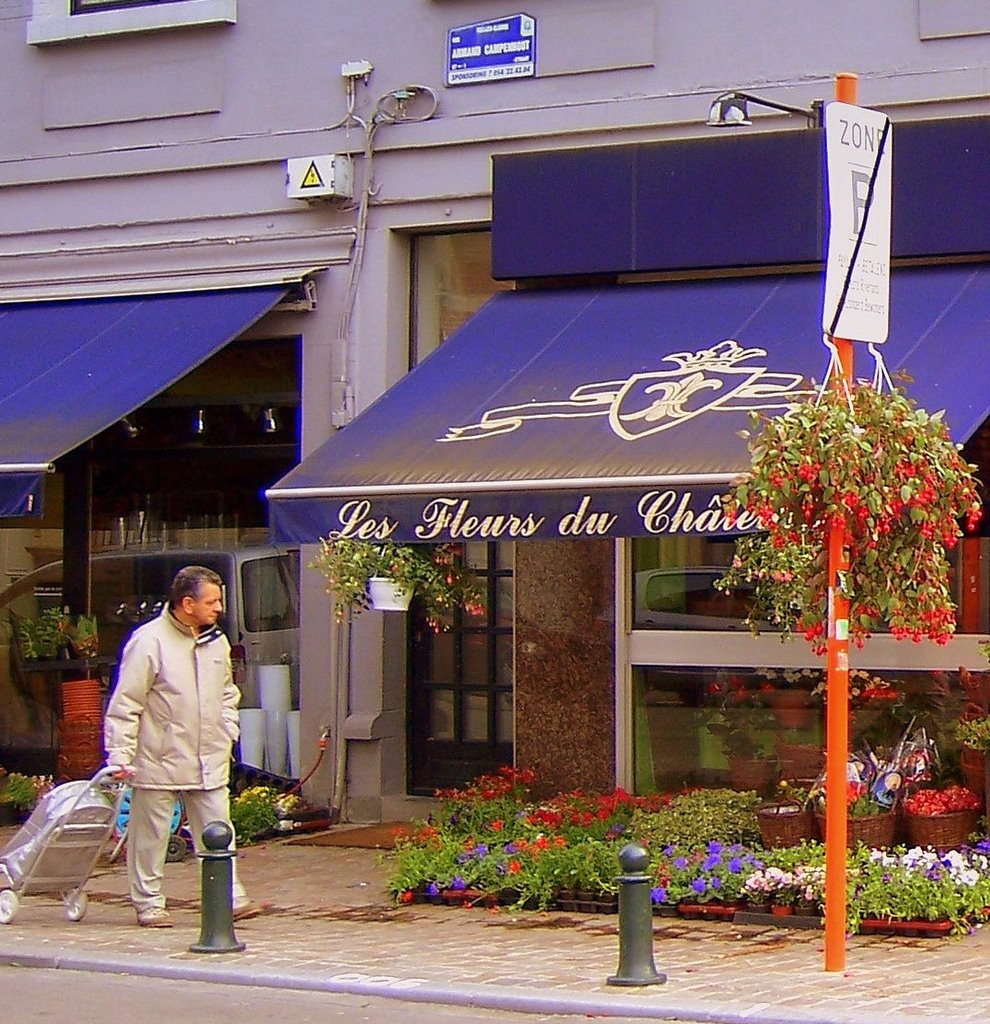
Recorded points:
837,720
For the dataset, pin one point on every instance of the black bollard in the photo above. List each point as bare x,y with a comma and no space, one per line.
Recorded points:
636,965
216,934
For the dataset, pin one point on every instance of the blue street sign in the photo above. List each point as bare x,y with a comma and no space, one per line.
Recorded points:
488,51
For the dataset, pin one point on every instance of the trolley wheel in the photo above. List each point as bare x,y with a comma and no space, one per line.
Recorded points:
75,906
177,849
9,902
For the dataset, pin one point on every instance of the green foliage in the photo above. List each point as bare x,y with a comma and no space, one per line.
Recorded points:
693,819
974,733
24,791
54,633
888,475
253,813
435,574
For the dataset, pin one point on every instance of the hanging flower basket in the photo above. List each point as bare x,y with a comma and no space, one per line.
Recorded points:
435,574
888,474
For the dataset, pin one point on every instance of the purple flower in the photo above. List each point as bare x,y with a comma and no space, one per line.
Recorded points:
458,883
658,894
680,863
698,885
711,862
433,889
510,847
716,882
481,850
735,865
715,847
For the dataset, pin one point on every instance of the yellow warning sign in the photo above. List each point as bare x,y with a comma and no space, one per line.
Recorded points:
312,179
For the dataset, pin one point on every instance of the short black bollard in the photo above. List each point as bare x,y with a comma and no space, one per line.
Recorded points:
216,934
636,966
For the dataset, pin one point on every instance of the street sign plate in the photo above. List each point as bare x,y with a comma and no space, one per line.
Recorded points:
857,151
492,51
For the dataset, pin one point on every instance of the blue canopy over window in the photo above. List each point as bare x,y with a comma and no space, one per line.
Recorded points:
614,411
71,369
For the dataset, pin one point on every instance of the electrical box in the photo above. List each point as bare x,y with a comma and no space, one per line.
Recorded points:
329,176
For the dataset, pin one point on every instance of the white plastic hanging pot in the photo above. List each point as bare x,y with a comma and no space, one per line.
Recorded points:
385,595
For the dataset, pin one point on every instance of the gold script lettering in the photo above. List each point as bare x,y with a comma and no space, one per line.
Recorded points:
355,521
582,521
451,517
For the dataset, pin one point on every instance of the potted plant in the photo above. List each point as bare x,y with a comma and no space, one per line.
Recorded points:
884,471
434,574
942,818
21,793
45,638
253,813
974,735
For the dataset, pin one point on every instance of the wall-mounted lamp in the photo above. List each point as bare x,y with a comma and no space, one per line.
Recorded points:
731,110
199,422
269,424
130,428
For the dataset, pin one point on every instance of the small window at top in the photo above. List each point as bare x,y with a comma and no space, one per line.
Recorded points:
58,21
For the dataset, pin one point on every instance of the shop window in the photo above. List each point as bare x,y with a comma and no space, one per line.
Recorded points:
749,727
56,21
673,585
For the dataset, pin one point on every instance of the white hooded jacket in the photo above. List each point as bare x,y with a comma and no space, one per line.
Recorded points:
173,714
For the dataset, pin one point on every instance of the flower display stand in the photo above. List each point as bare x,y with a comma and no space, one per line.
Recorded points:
916,929
708,911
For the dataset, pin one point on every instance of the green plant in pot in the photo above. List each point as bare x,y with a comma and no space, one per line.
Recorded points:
22,792
54,634
45,638
433,574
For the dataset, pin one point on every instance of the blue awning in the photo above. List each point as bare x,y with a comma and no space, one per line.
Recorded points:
71,369
614,411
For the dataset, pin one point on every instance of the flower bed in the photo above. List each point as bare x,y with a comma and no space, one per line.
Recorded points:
491,845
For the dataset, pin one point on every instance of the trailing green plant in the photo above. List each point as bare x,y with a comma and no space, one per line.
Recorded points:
886,473
435,575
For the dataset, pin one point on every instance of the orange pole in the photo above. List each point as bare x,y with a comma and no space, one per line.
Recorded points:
837,682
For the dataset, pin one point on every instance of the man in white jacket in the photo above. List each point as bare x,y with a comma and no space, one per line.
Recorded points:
170,726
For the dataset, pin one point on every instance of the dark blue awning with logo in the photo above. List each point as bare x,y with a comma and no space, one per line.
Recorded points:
614,411
71,369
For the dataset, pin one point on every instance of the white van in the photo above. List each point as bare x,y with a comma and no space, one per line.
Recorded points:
261,618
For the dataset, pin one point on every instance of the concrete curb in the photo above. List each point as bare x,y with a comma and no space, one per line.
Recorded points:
418,991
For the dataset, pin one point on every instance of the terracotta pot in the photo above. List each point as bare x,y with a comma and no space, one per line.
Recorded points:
791,708
781,910
973,765
751,773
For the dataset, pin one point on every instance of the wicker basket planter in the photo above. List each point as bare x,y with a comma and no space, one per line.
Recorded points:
874,830
943,831
785,825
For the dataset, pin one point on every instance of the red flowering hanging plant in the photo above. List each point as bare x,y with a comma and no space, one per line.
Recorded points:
888,473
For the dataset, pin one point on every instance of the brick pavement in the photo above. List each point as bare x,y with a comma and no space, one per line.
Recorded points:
333,928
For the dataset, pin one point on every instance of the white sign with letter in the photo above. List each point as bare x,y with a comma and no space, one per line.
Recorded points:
857,267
